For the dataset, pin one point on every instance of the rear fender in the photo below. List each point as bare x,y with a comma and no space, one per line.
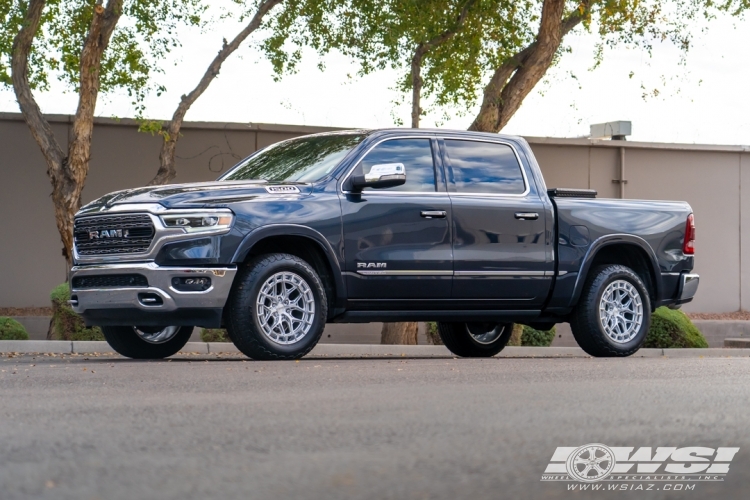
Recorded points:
616,239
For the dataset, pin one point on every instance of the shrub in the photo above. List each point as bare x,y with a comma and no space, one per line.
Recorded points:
11,329
537,338
672,328
66,323
524,335
214,335
433,337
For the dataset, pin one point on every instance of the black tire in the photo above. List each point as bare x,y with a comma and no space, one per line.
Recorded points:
243,323
458,338
127,342
585,321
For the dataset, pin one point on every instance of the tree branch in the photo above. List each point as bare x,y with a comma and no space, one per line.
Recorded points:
102,26
416,62
39,126
167,168
516,77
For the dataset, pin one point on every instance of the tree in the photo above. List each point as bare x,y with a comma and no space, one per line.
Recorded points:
167,168
438,44
84,44
496,55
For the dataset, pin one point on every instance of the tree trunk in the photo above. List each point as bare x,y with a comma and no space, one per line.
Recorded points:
517,77
399,333
416,85
167,168
67,173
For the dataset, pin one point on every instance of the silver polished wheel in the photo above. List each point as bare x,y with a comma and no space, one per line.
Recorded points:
285,308
621,311
485,333
156,335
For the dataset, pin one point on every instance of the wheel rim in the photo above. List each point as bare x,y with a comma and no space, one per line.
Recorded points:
484,333
156,335
621,311
285,308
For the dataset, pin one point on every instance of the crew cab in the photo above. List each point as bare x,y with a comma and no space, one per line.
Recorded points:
378,225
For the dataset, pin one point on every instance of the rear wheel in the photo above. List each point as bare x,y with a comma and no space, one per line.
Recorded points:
613,315
475,339
147,342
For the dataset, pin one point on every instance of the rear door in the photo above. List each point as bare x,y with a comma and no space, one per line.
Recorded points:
499,228
397,241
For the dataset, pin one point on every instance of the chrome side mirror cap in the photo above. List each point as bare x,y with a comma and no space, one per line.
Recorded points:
380,176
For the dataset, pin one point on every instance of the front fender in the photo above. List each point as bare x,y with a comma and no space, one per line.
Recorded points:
263,232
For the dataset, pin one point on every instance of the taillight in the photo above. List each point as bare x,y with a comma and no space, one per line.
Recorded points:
688,246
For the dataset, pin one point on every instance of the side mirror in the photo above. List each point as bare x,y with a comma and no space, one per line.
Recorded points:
380,176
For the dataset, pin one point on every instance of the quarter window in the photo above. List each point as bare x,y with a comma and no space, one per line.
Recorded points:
415,154
484,167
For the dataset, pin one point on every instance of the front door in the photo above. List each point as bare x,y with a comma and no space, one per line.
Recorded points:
499,234
397,241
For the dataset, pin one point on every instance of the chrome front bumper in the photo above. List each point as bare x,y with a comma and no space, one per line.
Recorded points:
159,284
688,288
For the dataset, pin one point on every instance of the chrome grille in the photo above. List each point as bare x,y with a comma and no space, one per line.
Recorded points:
113,234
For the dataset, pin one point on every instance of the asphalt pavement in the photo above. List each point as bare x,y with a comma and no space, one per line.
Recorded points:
221,426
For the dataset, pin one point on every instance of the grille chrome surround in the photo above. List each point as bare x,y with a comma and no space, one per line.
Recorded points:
133,234
109,281
147,252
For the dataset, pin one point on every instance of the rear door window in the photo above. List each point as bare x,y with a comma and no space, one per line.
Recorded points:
484,167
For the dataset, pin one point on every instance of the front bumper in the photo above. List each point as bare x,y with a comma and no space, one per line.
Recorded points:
156,304
688,288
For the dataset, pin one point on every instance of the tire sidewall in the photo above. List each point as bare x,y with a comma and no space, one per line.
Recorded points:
316,329
625,275
127,342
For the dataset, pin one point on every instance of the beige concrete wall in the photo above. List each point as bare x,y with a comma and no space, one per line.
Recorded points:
711,178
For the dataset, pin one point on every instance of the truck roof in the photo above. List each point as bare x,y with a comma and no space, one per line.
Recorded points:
421,131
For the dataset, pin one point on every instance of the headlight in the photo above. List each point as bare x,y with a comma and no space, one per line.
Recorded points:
199,222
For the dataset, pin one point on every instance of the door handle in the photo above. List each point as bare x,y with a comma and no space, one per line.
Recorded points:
527,215
433,214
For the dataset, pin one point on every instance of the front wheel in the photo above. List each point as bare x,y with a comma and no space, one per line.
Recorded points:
277,309
147,342
475,340
613,315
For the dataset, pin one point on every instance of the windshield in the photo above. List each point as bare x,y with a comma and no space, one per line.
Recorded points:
306,159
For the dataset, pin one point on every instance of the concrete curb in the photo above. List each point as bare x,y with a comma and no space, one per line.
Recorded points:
361,350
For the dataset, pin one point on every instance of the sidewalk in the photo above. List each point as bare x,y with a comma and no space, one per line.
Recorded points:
361,350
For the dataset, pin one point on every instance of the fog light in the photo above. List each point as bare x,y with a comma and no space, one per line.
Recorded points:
191,284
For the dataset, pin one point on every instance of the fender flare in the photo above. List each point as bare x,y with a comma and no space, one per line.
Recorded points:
263,232
616,239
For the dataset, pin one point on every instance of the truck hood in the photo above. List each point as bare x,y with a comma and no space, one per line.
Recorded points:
198,194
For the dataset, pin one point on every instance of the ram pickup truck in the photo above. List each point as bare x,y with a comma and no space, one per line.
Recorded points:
379,225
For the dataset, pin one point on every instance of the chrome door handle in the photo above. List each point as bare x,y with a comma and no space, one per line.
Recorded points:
433,214
527,215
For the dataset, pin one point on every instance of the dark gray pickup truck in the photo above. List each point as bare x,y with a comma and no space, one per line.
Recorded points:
381,225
